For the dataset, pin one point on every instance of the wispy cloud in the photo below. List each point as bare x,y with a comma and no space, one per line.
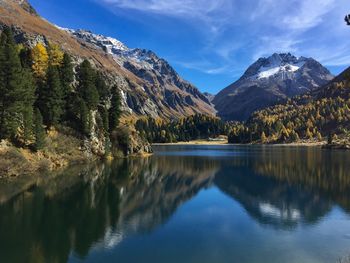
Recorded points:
235,32
213,13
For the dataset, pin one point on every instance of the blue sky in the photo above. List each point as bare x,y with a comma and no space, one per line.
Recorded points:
212,42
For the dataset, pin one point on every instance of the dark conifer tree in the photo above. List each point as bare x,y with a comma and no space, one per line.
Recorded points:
84,117
51,97
66,75
39,131
11,86
86,87
101,87
114,111
28,96
105,118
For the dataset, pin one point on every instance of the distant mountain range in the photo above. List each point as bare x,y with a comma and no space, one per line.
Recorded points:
268,81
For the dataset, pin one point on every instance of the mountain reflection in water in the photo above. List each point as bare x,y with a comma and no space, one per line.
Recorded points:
99,206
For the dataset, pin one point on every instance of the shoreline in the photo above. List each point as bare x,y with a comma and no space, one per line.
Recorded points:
321,145
215,143
196,142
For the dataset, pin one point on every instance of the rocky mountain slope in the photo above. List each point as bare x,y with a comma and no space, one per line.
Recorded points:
148,84
267,81
162,84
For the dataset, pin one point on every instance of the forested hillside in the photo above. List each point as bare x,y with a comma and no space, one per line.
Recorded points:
51,105
185,129
321,115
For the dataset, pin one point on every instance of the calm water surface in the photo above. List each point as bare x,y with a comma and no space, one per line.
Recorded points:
185,204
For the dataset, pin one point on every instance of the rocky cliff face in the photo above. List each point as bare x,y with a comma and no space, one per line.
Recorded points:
267,81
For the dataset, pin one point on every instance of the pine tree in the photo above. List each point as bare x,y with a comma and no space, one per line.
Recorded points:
85,118
105,119
101,87
67,78
114,111
66,74
12,87
28,96
39,131
86,87
51,97
40,60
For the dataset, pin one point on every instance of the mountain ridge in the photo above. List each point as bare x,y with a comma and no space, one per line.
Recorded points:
267,81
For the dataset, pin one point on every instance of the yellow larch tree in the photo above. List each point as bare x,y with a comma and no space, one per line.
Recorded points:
55,54
40,60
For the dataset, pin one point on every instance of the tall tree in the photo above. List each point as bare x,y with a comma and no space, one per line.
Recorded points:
28,96
84,117
101,87
86,87
39,131
40,60
11,86
115,110
51,97
67,78
66,74
105,118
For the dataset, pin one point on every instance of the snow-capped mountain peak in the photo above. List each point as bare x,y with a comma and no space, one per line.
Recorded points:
277,64
267,81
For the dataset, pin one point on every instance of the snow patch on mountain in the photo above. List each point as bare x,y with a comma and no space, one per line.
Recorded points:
117,49
279,64
109,44
266,72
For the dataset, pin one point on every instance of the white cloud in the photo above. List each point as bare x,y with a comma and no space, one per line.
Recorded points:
308,15
213,13
296,15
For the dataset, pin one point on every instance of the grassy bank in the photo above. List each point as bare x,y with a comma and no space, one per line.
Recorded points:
62,150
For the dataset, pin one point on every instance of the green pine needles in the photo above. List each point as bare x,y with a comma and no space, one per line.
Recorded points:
40,90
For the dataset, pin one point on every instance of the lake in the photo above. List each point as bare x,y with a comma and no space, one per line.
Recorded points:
184,204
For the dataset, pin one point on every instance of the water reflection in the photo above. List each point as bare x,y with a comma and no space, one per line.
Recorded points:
272,202
99,206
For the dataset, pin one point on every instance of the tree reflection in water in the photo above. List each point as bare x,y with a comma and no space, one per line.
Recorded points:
100,205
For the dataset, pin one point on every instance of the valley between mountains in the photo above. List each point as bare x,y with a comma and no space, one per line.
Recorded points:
118,100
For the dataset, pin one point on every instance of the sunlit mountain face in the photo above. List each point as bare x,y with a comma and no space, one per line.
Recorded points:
268,81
